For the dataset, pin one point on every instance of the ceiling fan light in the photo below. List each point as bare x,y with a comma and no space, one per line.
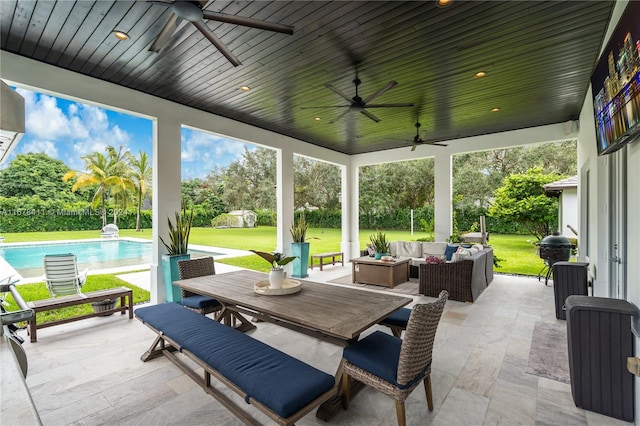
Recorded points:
443,3
480,74
245,88
317,118
120,35
495,109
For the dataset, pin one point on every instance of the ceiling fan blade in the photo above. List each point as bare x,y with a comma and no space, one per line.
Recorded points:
388,105
413,147
339,93
217,43
369,115
346,111
436,143
327,106
389,85
165,34
247,22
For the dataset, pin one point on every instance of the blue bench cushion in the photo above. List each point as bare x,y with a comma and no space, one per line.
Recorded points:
199,302
399,318
282,383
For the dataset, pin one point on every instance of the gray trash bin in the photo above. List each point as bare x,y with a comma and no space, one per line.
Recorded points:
599,341
569,278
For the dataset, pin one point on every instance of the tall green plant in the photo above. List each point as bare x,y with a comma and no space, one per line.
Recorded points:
380,242
299,229
179,233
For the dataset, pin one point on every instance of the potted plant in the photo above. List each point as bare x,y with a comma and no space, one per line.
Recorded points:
380,243
299,247
177,247
277,260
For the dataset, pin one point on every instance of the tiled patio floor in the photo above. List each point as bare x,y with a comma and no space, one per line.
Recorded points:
89,372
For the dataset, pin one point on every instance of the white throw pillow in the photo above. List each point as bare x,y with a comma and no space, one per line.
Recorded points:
461,254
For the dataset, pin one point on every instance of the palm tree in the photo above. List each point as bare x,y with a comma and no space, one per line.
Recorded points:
141,175
107,172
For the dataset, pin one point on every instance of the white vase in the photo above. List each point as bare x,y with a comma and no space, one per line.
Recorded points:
276,278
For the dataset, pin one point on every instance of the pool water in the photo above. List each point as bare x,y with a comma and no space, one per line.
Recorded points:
28,259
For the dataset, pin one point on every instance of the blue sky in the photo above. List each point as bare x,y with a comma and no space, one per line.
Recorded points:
67,130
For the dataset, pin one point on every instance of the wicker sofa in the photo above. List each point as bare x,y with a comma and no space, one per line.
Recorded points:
464,279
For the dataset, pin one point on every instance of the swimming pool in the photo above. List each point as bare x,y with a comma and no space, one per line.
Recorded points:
100,254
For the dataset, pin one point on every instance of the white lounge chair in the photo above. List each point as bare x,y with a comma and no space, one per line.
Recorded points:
61,274
110,231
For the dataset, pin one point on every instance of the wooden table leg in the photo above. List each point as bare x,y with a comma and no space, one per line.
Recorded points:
332,406
227,315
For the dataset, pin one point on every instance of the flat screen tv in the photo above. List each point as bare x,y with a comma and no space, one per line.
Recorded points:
615,83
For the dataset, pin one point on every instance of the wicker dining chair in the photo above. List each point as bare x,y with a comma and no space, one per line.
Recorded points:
194,268
392,365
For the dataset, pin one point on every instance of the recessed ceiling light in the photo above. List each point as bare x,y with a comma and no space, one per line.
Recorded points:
120,35
317,118
443,3
495,109
245,88
480,74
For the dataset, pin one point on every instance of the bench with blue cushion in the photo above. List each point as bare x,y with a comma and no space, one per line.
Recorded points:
281,386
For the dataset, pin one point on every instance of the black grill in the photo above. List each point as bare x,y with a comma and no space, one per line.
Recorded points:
553,248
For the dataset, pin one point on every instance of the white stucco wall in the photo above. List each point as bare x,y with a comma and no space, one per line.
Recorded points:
568,211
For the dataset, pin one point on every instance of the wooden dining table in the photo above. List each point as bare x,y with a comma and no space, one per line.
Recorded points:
328,312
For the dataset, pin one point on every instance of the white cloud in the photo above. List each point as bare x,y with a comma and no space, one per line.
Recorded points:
38,146
44,119
82,129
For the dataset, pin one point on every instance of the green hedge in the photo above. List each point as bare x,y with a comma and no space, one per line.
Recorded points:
31,214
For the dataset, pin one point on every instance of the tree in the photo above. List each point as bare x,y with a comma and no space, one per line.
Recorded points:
387,187
108,173
141,173
316,183
477,175
521,199
36,174
249,182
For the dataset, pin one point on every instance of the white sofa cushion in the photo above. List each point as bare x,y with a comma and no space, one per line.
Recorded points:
409,249
433,249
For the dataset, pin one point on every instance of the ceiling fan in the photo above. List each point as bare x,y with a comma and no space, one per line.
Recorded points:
417,140
193,12
358,104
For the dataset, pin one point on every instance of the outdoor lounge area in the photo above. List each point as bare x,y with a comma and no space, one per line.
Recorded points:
481,358
480,76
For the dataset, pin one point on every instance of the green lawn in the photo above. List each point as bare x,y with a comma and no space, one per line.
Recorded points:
516,252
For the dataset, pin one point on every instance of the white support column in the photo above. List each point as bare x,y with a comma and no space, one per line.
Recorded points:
443,193
284,201
166,193
350,244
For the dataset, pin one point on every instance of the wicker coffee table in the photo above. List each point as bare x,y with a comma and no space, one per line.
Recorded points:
367,270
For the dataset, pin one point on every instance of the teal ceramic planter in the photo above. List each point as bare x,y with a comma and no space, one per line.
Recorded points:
301,263
170,273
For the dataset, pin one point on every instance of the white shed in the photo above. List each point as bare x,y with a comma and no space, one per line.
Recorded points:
567,191
244,219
